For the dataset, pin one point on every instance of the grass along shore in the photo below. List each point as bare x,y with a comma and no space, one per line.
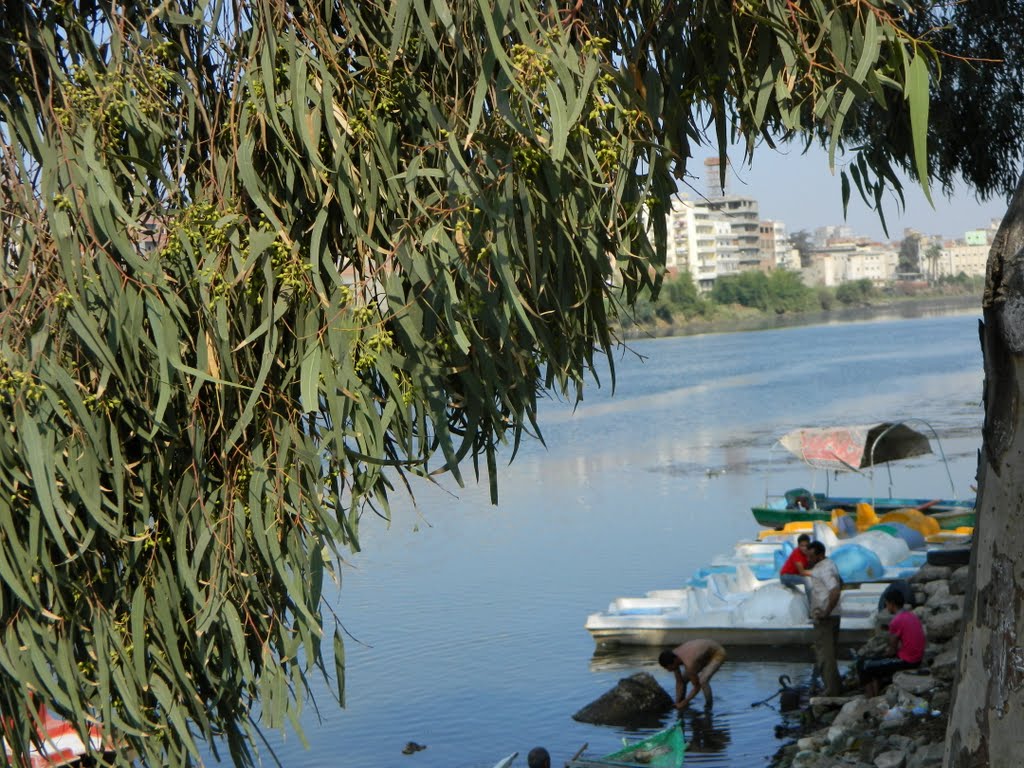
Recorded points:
735,317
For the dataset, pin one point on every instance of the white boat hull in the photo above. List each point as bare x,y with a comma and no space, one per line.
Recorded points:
764,614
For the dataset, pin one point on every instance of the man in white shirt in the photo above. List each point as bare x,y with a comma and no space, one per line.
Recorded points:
824,585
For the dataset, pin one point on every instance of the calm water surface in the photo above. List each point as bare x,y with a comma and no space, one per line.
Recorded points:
466,619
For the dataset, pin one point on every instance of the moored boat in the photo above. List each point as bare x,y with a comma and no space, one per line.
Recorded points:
739,600
950,514
853,448
60,744
664,749
767,615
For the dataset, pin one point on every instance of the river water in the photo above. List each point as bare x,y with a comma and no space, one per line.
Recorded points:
466,619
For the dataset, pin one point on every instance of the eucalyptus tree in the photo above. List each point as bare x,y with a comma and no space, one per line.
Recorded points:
264,262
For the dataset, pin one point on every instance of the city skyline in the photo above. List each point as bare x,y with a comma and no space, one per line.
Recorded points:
799,191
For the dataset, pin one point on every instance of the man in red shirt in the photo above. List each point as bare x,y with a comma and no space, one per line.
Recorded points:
795,568
906,646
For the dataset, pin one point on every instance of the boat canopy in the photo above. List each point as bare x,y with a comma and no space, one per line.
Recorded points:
857,446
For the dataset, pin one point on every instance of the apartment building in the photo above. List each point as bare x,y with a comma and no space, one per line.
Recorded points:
968,256
846,261
743,217
701,240
776,252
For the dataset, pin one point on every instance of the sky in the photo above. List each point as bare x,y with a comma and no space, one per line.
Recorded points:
800,191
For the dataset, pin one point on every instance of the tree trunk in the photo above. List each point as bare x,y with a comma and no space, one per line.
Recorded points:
986,725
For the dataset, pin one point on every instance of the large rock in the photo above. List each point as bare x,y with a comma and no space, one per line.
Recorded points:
633,701
940,603
820,705
943,626
936,589
856,711
931,573
958,581
917,683
944,664
894,758
856,716
927,756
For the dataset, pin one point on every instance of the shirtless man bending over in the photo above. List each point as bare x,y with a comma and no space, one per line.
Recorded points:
694,662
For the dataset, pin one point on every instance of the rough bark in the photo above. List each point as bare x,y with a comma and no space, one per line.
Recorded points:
985,726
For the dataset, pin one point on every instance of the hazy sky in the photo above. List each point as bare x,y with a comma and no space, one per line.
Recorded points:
800,191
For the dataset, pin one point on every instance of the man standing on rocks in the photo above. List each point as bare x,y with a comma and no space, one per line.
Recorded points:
701,658
824,584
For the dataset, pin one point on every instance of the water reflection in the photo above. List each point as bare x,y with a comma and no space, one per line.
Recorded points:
703,733
637,657
623,657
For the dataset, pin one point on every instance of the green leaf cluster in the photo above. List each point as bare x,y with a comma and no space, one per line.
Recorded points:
264,262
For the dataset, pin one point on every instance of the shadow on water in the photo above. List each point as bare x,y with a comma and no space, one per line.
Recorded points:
616,657
705,734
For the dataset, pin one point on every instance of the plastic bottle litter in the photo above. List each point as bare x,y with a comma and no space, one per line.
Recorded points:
894,715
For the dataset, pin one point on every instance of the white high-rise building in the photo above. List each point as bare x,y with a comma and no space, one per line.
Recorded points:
744,220
701,241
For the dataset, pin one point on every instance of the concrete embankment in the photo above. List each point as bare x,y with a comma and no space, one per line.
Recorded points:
905,726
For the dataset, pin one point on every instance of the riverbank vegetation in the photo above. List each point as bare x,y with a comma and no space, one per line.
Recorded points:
755,298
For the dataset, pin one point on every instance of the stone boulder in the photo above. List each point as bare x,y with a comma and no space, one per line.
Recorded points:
936,589
943,626
940,603
894,758
854,717
917,683
635,700
860,710
927,756
944,664
931,573
958,581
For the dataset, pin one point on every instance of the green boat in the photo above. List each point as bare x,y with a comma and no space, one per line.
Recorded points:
664,749
801,506
854,448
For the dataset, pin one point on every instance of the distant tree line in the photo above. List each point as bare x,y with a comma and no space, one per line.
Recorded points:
779,292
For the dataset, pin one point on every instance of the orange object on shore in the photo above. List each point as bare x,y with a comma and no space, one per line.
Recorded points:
61,744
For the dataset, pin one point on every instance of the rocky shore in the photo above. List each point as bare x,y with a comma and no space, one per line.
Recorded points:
905,726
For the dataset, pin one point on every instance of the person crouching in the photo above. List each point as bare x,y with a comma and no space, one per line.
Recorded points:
905,650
